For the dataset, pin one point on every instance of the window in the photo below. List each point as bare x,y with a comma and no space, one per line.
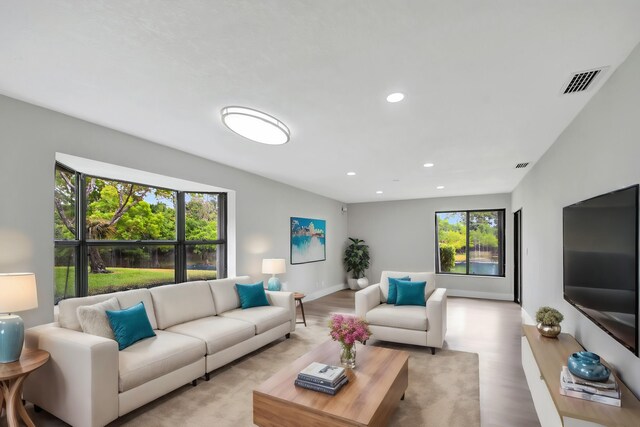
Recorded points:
133,235
470,242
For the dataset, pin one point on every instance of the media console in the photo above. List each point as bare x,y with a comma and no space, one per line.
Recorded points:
542,360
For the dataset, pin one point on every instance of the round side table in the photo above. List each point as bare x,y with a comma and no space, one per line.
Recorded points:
298,297
12,376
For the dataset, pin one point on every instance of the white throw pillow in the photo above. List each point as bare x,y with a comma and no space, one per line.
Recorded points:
93,318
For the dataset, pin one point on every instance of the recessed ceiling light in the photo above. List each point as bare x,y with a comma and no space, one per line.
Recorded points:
379,192
351,173
428,165
440,187
396,180
395,97
255,125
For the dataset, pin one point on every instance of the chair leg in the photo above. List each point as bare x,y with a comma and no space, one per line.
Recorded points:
364,342
433,350
194,383
207,377
288,336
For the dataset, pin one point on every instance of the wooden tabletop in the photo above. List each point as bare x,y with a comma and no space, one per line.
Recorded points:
298,295
369,398
29,361
551,355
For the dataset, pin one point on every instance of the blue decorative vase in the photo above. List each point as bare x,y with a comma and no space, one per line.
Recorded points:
11,337
274,284
586,365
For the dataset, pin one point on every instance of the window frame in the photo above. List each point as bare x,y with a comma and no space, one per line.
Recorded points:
502,235
81,244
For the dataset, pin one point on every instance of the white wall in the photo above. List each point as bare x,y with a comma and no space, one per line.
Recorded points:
599,152
401,236
29,138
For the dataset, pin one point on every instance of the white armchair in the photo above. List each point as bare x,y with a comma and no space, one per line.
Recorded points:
408,324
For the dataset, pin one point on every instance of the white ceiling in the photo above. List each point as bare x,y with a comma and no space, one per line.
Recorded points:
482,81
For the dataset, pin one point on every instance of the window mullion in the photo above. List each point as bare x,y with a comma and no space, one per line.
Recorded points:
82,276
467,248
181,251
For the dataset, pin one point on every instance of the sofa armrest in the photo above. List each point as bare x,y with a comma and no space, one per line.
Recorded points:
437,317
367,299
285,300
79,384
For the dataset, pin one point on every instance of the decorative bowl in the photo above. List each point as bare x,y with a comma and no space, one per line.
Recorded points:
586,365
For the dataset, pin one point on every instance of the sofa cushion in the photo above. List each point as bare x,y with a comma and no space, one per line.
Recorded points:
430,278
93,318
412,317
264,318
181,303
217,332
410,293
252,295
130,325
393,288
154,357
67,308
225,296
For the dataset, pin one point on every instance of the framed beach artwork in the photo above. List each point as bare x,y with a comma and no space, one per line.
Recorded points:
308,240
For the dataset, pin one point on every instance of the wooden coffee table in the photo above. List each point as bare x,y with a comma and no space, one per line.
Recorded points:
375,388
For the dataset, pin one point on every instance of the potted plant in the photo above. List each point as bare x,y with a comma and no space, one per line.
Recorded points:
356,259
549,321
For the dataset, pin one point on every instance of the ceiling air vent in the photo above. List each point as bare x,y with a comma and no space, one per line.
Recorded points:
522,165
582,80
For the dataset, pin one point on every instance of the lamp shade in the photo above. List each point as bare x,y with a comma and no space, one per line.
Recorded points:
18,292
273,266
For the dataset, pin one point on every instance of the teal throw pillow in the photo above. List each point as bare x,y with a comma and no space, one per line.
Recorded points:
411,293
393,283
130,325
252,295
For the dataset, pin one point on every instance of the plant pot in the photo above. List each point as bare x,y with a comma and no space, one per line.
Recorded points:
353,284
548,331
362,282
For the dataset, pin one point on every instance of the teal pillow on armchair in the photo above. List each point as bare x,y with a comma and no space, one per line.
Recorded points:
411,293
393,291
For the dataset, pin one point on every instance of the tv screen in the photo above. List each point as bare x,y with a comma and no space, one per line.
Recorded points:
601,262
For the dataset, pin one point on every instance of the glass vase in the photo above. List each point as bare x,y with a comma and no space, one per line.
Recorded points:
348,355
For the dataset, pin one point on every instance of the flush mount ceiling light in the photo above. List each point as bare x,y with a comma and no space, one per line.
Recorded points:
255,125
351,173
379,192
395,97
428,165
440,187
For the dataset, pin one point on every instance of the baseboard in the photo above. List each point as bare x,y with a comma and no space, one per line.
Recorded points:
482,295
324,292
526,319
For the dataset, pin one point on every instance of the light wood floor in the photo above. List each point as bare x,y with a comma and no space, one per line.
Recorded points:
489,328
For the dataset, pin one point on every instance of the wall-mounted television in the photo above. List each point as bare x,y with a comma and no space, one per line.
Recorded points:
600,244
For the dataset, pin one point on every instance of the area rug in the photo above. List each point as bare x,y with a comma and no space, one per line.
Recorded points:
443,389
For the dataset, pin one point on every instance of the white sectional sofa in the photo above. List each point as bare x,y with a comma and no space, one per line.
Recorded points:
408,324
199,327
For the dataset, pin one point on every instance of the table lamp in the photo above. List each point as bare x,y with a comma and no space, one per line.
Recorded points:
273,267
18,292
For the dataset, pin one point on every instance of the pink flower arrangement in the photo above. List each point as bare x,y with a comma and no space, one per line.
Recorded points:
348,329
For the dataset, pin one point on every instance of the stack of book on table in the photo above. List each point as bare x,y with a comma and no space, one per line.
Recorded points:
606,392
320,377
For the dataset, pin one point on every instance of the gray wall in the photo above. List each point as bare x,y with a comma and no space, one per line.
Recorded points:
597,153
29,138
401,236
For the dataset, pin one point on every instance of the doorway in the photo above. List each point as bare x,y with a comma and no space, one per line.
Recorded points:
517,256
